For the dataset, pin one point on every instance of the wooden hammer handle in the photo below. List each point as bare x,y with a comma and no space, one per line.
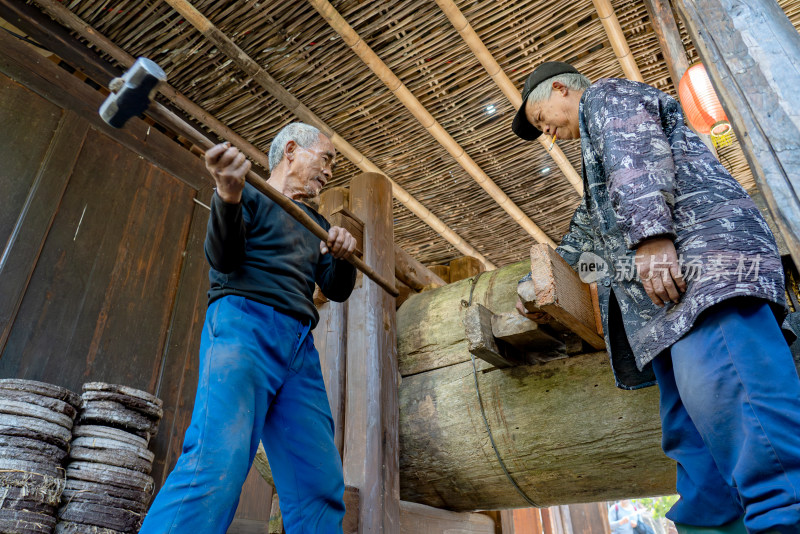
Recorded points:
303,218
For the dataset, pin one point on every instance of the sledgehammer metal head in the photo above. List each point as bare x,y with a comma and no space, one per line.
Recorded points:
131,94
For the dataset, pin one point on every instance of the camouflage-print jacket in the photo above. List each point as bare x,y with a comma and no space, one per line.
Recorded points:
646,174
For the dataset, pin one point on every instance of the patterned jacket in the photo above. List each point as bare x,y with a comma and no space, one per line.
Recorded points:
646,174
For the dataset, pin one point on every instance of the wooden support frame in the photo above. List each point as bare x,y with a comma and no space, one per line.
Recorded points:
420,519
751,52
371,431
413,273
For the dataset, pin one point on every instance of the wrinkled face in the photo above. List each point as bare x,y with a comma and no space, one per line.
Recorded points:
312,167
558,115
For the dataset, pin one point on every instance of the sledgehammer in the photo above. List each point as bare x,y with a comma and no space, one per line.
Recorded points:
131,95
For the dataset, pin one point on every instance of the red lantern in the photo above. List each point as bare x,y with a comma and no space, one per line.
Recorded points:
702,107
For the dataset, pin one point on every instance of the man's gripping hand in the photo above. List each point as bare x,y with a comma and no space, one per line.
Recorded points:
228,166
659,270
340,243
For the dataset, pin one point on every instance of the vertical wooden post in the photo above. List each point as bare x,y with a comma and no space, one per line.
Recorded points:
371,408
330,335
751,52
669,39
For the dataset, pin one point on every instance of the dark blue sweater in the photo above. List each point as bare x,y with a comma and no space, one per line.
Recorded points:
258,251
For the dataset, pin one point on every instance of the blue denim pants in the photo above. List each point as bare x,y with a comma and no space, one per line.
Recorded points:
260,380
730,413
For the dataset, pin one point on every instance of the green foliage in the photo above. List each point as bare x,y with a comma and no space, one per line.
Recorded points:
658,506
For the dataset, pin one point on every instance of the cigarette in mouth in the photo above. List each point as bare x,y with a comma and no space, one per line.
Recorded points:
553,143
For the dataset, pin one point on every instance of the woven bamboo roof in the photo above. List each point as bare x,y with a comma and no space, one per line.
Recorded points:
292,42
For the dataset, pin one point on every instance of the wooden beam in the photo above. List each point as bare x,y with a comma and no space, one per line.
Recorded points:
71,21
371,411
437,131
669,39
413,273
524,335
420,519
505,84
330,338
464,267
618,42
560,293
551,424
442,271
751,52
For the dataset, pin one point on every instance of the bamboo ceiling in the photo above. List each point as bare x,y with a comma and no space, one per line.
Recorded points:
294,44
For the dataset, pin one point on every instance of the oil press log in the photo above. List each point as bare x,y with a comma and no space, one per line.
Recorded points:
565,433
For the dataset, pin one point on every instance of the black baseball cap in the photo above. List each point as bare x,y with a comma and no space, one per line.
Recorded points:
545,71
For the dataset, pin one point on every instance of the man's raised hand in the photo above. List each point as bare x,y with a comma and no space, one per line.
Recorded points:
340,243
228,166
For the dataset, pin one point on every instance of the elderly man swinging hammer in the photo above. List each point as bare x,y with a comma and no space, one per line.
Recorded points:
702,317
260,377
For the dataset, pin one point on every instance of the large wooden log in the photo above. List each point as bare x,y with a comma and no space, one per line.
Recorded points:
430,325
564,431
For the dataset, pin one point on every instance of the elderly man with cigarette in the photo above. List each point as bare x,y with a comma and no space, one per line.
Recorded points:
655,198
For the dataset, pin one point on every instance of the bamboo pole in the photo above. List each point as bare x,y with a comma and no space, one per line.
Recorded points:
606,13
492,67
68,19
406,97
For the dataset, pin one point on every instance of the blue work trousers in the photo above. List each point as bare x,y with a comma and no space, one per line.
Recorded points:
730,413
260,380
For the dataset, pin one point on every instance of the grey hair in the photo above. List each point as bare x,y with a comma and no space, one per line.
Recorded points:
571,80
301,133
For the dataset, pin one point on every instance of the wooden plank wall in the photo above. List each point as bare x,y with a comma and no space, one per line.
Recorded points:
102,271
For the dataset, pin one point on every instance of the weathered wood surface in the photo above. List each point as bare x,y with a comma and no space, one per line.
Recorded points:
110,242
430,325
346,219
32,200
442,271
528,341
404,291
330,337
420,519
464,267
480,339
563,429
751,52
371,414
413,273
561,294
